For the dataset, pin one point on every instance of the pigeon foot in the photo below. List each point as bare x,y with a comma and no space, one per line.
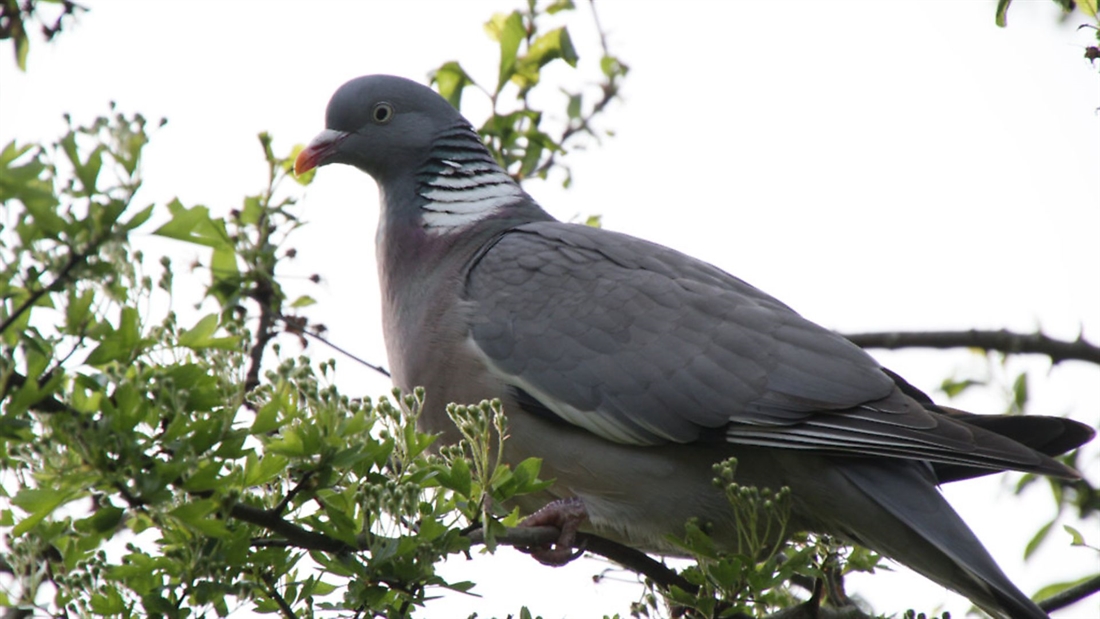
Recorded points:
566,515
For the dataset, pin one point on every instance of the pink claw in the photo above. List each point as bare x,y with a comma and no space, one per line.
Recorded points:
566,515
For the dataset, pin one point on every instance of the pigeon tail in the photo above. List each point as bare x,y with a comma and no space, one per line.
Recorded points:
927,535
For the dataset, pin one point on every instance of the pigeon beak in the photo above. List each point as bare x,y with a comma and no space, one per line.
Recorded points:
318,151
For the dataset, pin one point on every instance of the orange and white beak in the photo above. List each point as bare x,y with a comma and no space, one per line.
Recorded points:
318,152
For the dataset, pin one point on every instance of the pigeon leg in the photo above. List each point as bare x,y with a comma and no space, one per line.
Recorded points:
566,515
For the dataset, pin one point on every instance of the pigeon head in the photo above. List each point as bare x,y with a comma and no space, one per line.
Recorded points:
427,159
381,124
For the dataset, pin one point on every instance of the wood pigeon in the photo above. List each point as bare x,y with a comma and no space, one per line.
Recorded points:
630,369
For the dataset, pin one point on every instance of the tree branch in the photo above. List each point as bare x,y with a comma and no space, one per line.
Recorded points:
75,259
1002,341
264,295
630,558
609,90
273,593
1072,595
297,326
661,575
293,534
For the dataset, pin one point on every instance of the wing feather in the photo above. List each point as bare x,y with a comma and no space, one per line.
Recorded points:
643,345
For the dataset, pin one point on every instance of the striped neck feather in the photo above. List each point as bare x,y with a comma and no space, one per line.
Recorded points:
462,183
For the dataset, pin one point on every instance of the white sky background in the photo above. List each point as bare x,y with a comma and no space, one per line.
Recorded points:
876,165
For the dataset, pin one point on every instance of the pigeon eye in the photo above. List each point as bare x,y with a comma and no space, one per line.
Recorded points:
382,113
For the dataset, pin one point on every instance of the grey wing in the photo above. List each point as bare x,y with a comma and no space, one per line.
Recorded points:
644,345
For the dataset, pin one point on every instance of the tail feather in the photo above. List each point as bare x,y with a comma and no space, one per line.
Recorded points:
1050,436
927,535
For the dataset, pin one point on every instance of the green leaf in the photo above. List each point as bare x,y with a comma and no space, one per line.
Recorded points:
257,472
1037,539
458,478
200,337
141,217
28,182
574,107
194,225
509,32
303,301
528,471
88,171
111,349
195,515
1088,7
548,47
119,344
1002,12
302,179
321,588
38,503
252,211
551,46
207,476
1066,5
201,332
194,510
954,387
290,444
129,328
107,604
1075,535
11,152
45,216
223,264
77,311
560,5
104,520
451,79
1019,392
267,419
611,67
22,47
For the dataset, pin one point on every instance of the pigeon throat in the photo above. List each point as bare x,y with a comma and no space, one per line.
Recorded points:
461,184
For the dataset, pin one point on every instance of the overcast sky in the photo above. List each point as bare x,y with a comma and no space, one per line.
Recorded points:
876,165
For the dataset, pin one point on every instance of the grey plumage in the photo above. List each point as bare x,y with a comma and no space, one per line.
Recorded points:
630,368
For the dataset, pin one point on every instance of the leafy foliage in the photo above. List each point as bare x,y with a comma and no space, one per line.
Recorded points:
177,466
122,425
16,17
517,137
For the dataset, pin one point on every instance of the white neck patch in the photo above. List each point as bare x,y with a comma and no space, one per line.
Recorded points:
464,193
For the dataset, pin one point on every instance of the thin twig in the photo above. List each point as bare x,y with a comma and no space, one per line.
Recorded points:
610,90
264,295
274,594
293,327
298,487
1003,341
630,558
75,260
1072,595
295,535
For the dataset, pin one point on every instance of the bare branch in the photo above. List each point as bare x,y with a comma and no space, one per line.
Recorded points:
1002,341
76,259
1072,595
630,558
273,593
264,295
294,535
296,326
